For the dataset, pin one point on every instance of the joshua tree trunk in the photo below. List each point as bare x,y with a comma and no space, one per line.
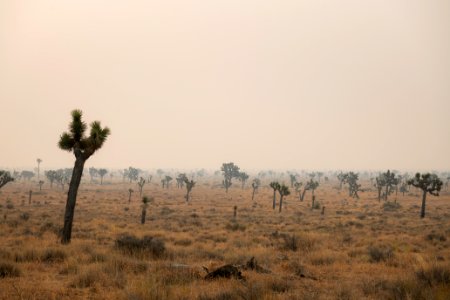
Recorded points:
29,198
302,196
234,212
187,196
253,194
386,194
72,198
422,210
274,199
379,194
281,203
313,200
101,180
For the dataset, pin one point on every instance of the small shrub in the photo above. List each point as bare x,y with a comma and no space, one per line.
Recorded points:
391,206
290,242
380,253
133,245
183,242
53,255
25,216
9,270
235,226
435,274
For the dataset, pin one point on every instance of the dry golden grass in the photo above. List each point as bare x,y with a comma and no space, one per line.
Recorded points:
358,250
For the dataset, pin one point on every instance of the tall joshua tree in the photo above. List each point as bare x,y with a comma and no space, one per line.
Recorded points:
390,183
293,178
283,191
189,185
82,147
39,165
428,183
275,186
5,177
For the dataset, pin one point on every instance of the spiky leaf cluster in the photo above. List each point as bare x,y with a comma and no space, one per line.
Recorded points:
75,140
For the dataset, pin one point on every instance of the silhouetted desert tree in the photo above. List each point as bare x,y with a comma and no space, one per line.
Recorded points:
40,183
283,191
5,177
342,177
403,188
189,185
353,186
39,168
181,178
132,174
93,172
141,184
298,189
102,173
149,179
51,176
27,175
255,185
391,181
160,172
82,147
229,171
310,185
243,177
29,197
319,176
145,201
167,180
130,191
275,186
380,182
293,178
429,184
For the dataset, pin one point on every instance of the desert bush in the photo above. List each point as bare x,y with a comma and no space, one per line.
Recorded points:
235,226
183,242
290,242
8,269
25,216
53,255
380,253
146,245
391,206
434,274
435,236
26,256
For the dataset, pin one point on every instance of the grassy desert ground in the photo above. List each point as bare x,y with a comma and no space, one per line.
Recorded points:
359,249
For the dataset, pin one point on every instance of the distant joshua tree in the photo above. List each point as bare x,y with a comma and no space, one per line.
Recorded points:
353,186
5,177
93,172
27,175
255,185
391,181
230,171
82,147
242,177
132,174
51,176
40,183
145,201
428,183
298,189
38,168
166,181
181,179
141,184
293,178
275,186
283,191
189,185
342,177
310,185
102,173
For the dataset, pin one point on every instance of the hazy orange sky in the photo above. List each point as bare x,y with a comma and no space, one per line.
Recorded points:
286,84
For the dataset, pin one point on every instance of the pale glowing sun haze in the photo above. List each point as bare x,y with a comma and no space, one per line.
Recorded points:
266,84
